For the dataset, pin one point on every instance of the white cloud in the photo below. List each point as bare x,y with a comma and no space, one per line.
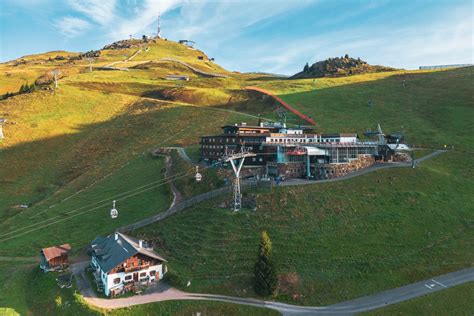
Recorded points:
221,21
145,16
223,28
72,26
99,11
446,41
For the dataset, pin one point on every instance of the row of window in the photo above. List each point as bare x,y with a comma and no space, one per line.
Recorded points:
214,153
130,276
295,170
304,140
213,146
232,140
213,140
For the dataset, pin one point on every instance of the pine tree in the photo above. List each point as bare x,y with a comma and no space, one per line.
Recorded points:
22,89
265,273
306,67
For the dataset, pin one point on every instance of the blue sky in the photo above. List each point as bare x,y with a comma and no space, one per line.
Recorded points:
277,36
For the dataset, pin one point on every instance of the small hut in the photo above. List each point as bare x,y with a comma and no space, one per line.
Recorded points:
54,258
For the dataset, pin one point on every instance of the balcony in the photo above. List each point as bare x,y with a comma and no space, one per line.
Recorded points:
136,268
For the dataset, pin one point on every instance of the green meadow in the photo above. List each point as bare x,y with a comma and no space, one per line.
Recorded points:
68,153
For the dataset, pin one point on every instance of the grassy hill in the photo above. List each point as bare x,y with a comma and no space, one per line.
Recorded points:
339,67
68,153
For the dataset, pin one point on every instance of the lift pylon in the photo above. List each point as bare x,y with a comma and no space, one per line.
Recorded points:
237,161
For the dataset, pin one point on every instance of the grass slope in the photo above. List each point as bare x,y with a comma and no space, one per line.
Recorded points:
343,240
453,301
88,142
434,108
28,291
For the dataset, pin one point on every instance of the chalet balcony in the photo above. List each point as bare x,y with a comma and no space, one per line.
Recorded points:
135,268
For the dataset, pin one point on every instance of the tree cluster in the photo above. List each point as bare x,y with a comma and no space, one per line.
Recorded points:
338,66
25,88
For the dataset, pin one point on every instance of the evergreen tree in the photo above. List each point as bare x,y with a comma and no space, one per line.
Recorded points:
265,273
32,87
306,67
22,89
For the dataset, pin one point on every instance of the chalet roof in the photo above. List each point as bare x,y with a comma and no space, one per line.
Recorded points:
55,251
111,252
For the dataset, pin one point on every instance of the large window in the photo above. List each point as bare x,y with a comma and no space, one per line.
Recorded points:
128,277
152,273
116,280
143,274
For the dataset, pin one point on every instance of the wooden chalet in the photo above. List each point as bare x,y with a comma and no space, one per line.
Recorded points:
122,263
54,258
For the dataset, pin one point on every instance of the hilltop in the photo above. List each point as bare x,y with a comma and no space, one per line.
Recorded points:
338,67
68,152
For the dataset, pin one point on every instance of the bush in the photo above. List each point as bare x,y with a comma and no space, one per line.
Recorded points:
174,279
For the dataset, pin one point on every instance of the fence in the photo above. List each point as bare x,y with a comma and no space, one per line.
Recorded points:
187,203
444,66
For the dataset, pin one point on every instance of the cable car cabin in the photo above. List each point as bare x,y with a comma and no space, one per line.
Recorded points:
198,176
113,211
54,258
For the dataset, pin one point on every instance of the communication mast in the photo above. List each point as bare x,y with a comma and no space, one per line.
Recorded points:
158,30
237,161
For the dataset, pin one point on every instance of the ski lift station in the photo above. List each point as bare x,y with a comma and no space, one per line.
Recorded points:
280,151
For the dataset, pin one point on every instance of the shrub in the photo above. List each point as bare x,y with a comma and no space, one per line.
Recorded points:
265,273
174,279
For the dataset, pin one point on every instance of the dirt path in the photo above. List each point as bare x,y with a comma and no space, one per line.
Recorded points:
186,203
22,259
110,66
196,70
283,103
163,292
177,196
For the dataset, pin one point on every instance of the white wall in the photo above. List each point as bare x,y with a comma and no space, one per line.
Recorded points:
109,283
351,139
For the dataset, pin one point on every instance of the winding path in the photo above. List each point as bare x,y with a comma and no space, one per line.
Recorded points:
184,204
283,103
196,70
162,292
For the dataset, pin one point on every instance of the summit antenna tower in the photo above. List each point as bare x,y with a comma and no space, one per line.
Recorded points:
158,30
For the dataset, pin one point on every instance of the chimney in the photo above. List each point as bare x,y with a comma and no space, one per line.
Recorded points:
140,243
116,236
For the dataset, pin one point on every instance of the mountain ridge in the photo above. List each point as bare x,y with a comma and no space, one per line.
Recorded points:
339,67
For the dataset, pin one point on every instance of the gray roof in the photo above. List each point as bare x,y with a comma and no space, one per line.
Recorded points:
110,252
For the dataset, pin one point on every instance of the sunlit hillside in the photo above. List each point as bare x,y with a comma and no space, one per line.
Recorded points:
68,152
